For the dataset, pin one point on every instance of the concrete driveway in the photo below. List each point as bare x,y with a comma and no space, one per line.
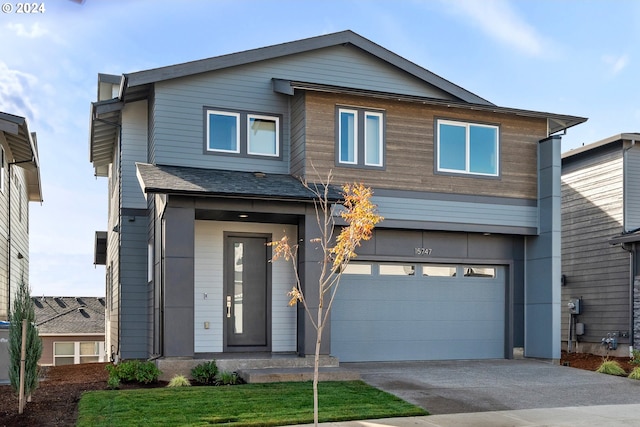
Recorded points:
450,387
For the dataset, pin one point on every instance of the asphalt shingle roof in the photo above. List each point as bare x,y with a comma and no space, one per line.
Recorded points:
69,315
215,182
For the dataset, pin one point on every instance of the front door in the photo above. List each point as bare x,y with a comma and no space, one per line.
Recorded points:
247,293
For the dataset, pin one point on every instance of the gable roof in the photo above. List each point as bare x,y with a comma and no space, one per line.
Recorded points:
69,315
142,78
24,147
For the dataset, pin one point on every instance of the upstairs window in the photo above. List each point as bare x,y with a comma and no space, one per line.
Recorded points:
360,137
242,133
262,134
468,148
223,131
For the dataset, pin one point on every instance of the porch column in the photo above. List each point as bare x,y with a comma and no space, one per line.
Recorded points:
310,259
542,260
178,281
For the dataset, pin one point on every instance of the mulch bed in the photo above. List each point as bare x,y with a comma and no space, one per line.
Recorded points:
591,362
55,402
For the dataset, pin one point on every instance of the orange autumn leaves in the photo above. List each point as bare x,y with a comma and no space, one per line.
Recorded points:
361,216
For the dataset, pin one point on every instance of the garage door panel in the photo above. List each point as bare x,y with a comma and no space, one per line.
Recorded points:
375,318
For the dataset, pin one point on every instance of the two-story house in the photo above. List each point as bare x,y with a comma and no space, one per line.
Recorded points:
204,160
600,236
19,185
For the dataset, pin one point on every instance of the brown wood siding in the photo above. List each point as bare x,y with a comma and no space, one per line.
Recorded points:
592,213
410,147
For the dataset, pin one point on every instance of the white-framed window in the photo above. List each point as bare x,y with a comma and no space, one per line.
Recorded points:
75,352
348,136
242,133
263,134
360,137
373,138
468,148
223,131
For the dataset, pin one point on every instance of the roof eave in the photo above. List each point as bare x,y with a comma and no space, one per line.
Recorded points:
631,136
103,133
24,148
555,122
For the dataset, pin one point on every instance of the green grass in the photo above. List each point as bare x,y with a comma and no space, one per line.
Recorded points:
243,405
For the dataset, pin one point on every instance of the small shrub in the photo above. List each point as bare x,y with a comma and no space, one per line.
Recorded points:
228,378
635,374
113,383
147,372
205,373
611,367
179,381
114,379
127,370
133,371
635,357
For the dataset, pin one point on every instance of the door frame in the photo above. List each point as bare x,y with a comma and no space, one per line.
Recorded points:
227,275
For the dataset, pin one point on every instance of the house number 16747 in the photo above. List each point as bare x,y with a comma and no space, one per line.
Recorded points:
423,251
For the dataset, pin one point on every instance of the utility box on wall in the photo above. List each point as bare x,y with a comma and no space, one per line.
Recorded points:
4,352
575,305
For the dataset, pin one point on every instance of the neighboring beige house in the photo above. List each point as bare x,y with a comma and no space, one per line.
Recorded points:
71,328
19,184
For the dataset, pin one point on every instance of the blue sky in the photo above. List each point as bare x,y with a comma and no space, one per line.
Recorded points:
571,57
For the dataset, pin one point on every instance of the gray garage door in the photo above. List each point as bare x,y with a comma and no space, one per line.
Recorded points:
419,312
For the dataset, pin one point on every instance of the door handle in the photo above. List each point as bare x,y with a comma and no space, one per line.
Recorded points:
228,305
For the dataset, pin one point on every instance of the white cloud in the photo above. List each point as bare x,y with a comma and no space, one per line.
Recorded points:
499,20
32,33
16,88
616,63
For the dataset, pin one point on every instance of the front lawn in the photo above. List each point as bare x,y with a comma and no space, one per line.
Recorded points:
243,405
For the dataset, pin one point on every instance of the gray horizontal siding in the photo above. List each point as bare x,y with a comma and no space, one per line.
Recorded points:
632,189
178,122
595,271
134,292
459,212
134,149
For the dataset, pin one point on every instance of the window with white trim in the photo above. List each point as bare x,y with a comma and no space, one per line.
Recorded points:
73,353
360,137
468,148
223,131
263,135
242,133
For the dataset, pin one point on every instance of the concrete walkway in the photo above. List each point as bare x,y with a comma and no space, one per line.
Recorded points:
582,416
497,393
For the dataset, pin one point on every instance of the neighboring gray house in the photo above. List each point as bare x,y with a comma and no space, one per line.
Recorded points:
600,224
203,161
19,185
71,329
